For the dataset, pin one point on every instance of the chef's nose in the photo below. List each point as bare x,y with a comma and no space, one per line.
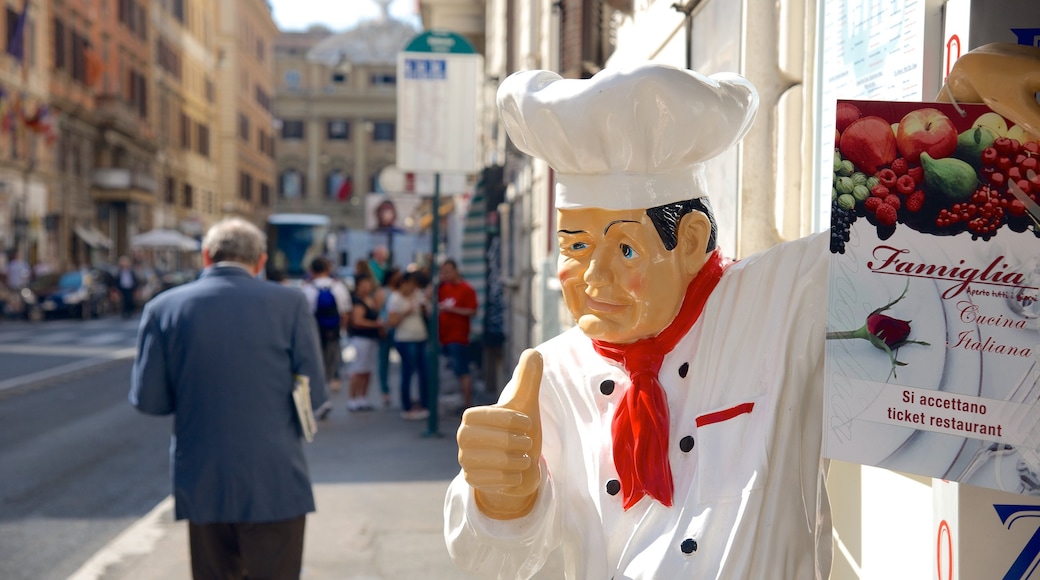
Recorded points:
600,270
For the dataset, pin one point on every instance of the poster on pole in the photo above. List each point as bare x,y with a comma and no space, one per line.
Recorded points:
934,302
437,106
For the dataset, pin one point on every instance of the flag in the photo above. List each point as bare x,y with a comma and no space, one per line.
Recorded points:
16,42
95,66
345,189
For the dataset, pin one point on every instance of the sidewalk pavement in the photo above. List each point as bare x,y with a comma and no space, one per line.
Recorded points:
379,483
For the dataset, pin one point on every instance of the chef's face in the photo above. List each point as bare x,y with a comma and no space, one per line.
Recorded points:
619,282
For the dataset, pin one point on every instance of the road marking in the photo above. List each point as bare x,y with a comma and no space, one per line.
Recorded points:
59,350
137,540
72,367
106,337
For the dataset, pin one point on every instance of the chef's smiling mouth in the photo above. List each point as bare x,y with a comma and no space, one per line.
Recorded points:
603,306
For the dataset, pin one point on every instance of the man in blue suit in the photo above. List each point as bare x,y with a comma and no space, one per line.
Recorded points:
220,354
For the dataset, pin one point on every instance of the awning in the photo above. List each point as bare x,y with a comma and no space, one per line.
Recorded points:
92,237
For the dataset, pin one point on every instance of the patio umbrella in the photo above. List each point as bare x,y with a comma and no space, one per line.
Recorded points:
164,239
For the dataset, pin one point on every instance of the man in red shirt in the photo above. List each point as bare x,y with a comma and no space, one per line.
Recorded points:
458,303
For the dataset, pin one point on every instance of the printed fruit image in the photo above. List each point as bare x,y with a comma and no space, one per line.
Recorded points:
926,130
949,178
971,144
869,144
1020,135
994,122
846,115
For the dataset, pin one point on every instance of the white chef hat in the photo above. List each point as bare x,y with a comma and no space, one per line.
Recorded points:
627,138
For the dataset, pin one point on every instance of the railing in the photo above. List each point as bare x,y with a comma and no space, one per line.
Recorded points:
119,178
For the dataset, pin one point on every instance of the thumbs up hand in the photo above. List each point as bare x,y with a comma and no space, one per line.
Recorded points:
500,446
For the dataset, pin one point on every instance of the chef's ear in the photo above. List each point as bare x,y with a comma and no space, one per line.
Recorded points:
694,233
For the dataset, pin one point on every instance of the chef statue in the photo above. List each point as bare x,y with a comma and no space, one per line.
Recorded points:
675,431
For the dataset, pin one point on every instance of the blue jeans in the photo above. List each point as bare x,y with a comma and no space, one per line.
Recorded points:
413,360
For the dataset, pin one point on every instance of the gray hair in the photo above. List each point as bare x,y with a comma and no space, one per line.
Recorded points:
234,240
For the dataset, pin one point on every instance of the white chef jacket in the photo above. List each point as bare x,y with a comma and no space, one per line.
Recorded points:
749,500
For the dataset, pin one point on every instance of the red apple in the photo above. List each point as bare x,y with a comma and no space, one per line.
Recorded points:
846,114
869,144
926,131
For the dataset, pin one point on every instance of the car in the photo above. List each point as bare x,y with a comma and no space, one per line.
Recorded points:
78,293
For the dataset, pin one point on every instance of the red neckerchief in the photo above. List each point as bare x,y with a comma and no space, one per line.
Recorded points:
640,426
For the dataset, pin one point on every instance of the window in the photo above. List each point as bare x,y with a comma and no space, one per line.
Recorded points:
243,127
185,132
262,99
292,129
189,196
170,194
203,135
59,44
260,50
292,184
339,77
383,131
177,9
383,80
292,80
334,182
265,195
211,91
138,93
79,57
339,129
245,186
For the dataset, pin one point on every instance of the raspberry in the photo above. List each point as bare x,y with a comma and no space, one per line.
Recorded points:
915,201
917,173
886,215
900,166
872,204
892,200
905,185
887,177
879,191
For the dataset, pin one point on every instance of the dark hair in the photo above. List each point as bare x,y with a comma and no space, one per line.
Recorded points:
452,263
359,278
389,275
320,265
666,219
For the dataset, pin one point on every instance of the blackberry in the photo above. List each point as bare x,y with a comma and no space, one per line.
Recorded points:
841,226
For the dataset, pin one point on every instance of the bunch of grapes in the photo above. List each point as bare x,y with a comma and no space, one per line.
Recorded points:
841,226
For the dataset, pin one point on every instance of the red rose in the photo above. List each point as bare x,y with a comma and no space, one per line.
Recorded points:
891,330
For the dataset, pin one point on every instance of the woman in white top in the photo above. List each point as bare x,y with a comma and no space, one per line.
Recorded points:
406,313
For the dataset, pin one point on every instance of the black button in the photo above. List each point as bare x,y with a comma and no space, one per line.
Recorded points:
613,487
686,444
606,387
689,546
685,368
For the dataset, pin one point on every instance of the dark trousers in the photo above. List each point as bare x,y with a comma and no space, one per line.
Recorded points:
128,301
264,551
413,361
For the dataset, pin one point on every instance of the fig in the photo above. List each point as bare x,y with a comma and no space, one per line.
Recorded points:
949,178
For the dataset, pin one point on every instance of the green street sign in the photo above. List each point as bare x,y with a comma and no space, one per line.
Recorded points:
440,41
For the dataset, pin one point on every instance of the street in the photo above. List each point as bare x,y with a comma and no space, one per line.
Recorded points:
84,478
78,463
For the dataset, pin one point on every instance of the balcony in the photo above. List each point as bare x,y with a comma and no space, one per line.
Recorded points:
122,185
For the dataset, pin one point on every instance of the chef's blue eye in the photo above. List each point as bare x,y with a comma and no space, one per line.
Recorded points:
578,246
628,252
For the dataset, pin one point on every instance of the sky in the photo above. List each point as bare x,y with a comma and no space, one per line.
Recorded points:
335,14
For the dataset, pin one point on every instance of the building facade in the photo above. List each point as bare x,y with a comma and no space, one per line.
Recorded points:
336,104
245,97
184,100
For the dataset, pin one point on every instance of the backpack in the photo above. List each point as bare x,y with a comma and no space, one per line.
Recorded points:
327,313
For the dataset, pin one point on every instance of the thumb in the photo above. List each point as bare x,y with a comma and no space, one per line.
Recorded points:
524,397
